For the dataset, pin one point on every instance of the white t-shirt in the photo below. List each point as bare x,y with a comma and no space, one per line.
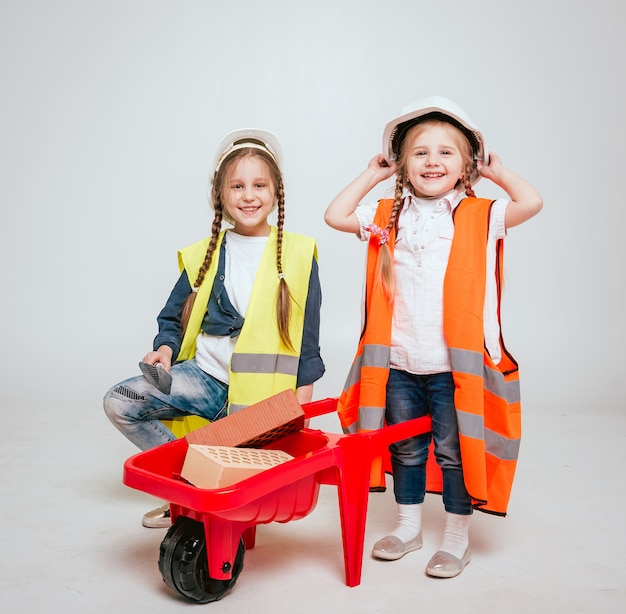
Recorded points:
243,256
421,253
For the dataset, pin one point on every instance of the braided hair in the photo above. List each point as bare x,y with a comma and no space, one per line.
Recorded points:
283,301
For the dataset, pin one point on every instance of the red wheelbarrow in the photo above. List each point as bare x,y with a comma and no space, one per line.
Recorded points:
202,553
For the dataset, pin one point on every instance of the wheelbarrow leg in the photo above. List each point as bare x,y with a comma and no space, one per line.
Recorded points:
353,489
249,537
223,538
183,562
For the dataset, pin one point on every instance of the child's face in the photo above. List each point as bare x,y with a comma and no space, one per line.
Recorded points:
434,161
249,196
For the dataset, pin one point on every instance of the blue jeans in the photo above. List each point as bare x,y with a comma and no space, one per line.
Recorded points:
136,407
411,396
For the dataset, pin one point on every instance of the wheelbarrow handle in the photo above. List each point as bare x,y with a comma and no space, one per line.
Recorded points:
319,408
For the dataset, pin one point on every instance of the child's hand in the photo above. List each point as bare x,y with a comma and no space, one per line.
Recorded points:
381,168
492,170
163,356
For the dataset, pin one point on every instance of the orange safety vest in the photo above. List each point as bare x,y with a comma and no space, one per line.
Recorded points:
487,397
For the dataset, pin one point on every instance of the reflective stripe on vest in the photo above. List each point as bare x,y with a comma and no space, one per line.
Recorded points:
260,365
473,425
264,363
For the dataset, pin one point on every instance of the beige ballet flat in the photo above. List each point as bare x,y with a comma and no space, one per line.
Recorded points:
445,565
392,548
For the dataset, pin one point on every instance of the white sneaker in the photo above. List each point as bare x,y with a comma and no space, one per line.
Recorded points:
158,519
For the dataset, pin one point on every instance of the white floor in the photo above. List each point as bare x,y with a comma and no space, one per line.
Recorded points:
72,539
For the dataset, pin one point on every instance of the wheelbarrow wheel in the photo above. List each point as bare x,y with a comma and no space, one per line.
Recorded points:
183,563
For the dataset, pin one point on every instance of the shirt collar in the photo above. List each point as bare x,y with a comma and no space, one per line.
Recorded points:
451,199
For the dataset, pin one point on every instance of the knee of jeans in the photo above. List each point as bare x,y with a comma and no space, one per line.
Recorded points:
408,454
449,458
117,399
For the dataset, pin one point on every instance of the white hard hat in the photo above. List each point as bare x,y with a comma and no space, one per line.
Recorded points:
249,137
435,107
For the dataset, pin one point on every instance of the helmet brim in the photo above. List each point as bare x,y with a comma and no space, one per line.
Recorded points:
253,136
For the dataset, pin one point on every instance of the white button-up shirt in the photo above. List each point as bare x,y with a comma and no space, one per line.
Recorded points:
421,253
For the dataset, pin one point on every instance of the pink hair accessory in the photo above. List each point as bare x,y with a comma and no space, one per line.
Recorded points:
380,233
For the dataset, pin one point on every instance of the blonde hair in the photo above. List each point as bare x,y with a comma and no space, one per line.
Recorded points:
385,275
283,300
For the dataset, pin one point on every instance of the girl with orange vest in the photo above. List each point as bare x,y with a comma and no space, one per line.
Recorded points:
431,342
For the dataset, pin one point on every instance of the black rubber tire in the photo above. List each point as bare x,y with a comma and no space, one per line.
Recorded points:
184,566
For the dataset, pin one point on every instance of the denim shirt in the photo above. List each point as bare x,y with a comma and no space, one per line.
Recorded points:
222,319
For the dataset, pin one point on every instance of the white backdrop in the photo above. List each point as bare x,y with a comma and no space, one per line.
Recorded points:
110,113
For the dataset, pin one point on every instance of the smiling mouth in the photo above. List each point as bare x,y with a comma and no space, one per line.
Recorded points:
249,209
433,175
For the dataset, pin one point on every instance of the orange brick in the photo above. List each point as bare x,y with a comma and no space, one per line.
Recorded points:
254,426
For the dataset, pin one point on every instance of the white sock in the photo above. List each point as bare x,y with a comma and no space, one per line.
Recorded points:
409,522
456,534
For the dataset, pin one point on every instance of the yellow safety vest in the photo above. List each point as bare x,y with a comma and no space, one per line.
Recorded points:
261,365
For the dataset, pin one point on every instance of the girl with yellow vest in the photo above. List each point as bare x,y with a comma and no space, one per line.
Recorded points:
431,341
242,322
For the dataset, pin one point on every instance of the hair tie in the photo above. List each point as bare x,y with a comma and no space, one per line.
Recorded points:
380,233
281,276
195,289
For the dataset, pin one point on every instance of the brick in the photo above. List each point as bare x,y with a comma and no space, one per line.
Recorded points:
254,426
219,466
